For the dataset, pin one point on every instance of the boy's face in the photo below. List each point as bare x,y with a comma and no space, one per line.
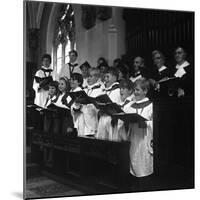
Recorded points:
52,90
139,93
125,92
84,72
46,62
62,86
100,61
72,57
110,79
74,84
92,78
103,69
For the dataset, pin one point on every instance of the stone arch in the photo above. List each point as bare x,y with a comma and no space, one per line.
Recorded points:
51,26
35,10
39,14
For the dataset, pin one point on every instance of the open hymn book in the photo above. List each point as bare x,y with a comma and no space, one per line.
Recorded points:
129,117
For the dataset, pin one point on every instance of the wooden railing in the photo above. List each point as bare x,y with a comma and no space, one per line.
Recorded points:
100,161
108,161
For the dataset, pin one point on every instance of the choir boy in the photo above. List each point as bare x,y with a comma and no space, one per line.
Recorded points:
48,121
76,82
112,86
127,97
63,123
52,98
85,73
86,115
105,128
141,133
53,93
72,67
42,79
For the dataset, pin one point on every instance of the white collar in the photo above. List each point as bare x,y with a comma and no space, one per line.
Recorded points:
95,84
43,67
142,100
137,73
162,68
129,98
74,63
100,82
53,97
115,83
76,89
184,64
62,94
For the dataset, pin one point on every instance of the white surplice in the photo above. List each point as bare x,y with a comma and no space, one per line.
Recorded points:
105,129
66,69
86,116
141,138
41,95
122,133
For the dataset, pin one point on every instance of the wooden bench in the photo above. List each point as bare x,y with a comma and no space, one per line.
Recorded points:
90,159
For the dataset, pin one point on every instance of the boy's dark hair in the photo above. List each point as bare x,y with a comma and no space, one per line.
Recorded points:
126,83
78,77
113,71
117,61
48,56
123,69
103,60
103,66
54,84
85,64
74,51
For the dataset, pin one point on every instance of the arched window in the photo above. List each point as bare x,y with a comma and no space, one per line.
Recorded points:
64,36
67,49
59,57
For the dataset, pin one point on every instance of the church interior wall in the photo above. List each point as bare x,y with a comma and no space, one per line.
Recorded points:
94,43
105,39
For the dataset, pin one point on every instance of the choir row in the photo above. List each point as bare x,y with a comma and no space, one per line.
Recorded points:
129,89
163,80
88,120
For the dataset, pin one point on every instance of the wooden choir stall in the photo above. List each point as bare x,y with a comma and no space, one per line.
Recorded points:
83,160
105,164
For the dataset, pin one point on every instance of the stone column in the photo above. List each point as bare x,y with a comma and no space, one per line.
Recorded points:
116,35
33,43
112,43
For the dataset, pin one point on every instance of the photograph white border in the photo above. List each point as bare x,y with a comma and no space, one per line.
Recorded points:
11,152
